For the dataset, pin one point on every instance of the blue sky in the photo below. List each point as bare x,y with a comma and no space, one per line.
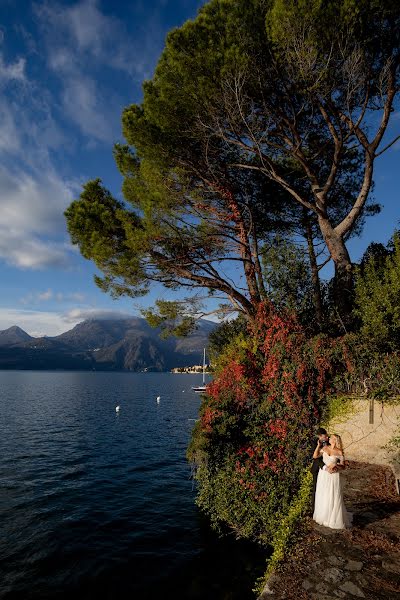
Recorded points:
67,70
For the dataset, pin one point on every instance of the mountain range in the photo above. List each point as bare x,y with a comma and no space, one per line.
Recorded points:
103,345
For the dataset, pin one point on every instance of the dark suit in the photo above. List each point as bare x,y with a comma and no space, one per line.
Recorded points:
317,464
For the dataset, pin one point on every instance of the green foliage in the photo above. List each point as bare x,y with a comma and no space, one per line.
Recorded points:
324,26
254,436
364,370
171,317
224,334
104,231
337,410
288,526
377,296
377,253
393,447
288,278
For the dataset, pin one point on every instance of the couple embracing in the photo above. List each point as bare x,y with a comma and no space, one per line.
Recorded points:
328,460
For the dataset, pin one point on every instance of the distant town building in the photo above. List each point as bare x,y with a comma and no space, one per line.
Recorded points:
193,369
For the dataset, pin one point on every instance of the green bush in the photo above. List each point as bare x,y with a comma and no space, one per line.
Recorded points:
338,409
255,433
287,528
365,370
377,298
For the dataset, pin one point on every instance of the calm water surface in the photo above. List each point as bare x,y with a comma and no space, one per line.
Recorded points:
102,504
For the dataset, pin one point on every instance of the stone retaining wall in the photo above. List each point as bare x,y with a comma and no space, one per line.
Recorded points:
364,441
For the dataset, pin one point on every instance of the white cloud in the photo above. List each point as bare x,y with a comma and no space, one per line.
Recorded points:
42,132
38,323
85,30
82,42
47,295
9,136
32,204
33,196
11,71
77,296
84,105
77,315
31,217
19,251
88,26
27,126
27,299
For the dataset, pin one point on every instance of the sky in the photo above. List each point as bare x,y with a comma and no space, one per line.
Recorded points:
67,70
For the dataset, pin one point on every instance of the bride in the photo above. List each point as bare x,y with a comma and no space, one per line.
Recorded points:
330,510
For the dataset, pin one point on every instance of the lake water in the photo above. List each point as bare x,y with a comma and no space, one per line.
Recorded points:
102,504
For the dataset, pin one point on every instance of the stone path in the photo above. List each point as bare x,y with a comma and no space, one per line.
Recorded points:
363,562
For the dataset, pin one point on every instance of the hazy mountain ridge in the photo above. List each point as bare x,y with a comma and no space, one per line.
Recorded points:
113,344
13,335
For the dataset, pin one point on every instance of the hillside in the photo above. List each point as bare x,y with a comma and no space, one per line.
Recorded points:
119,344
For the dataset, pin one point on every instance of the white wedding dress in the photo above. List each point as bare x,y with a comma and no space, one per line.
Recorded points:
330,510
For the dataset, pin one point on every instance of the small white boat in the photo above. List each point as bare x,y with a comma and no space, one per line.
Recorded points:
203,387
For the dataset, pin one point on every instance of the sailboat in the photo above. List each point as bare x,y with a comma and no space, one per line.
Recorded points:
202,388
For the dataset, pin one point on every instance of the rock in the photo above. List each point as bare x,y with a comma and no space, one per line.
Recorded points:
339,594
332,575
307,585
393,567
321,588
337,561
316,563
268,589
354,565
352,589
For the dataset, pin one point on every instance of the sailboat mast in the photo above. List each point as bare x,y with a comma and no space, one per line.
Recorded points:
204,367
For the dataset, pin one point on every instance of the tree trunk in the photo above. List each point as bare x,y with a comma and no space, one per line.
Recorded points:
244,247
344,290
316,284
344,277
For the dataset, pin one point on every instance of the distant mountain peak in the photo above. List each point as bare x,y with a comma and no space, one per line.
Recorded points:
16,329
13,335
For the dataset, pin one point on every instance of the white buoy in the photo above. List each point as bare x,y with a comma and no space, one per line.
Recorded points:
158,399
117,408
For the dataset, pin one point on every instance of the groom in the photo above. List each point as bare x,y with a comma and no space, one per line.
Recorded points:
318,463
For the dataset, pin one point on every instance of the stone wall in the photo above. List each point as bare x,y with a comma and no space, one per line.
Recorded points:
364,441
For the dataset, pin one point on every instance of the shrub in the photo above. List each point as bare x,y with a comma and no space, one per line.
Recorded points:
255,433
363,369
377,296
286,531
